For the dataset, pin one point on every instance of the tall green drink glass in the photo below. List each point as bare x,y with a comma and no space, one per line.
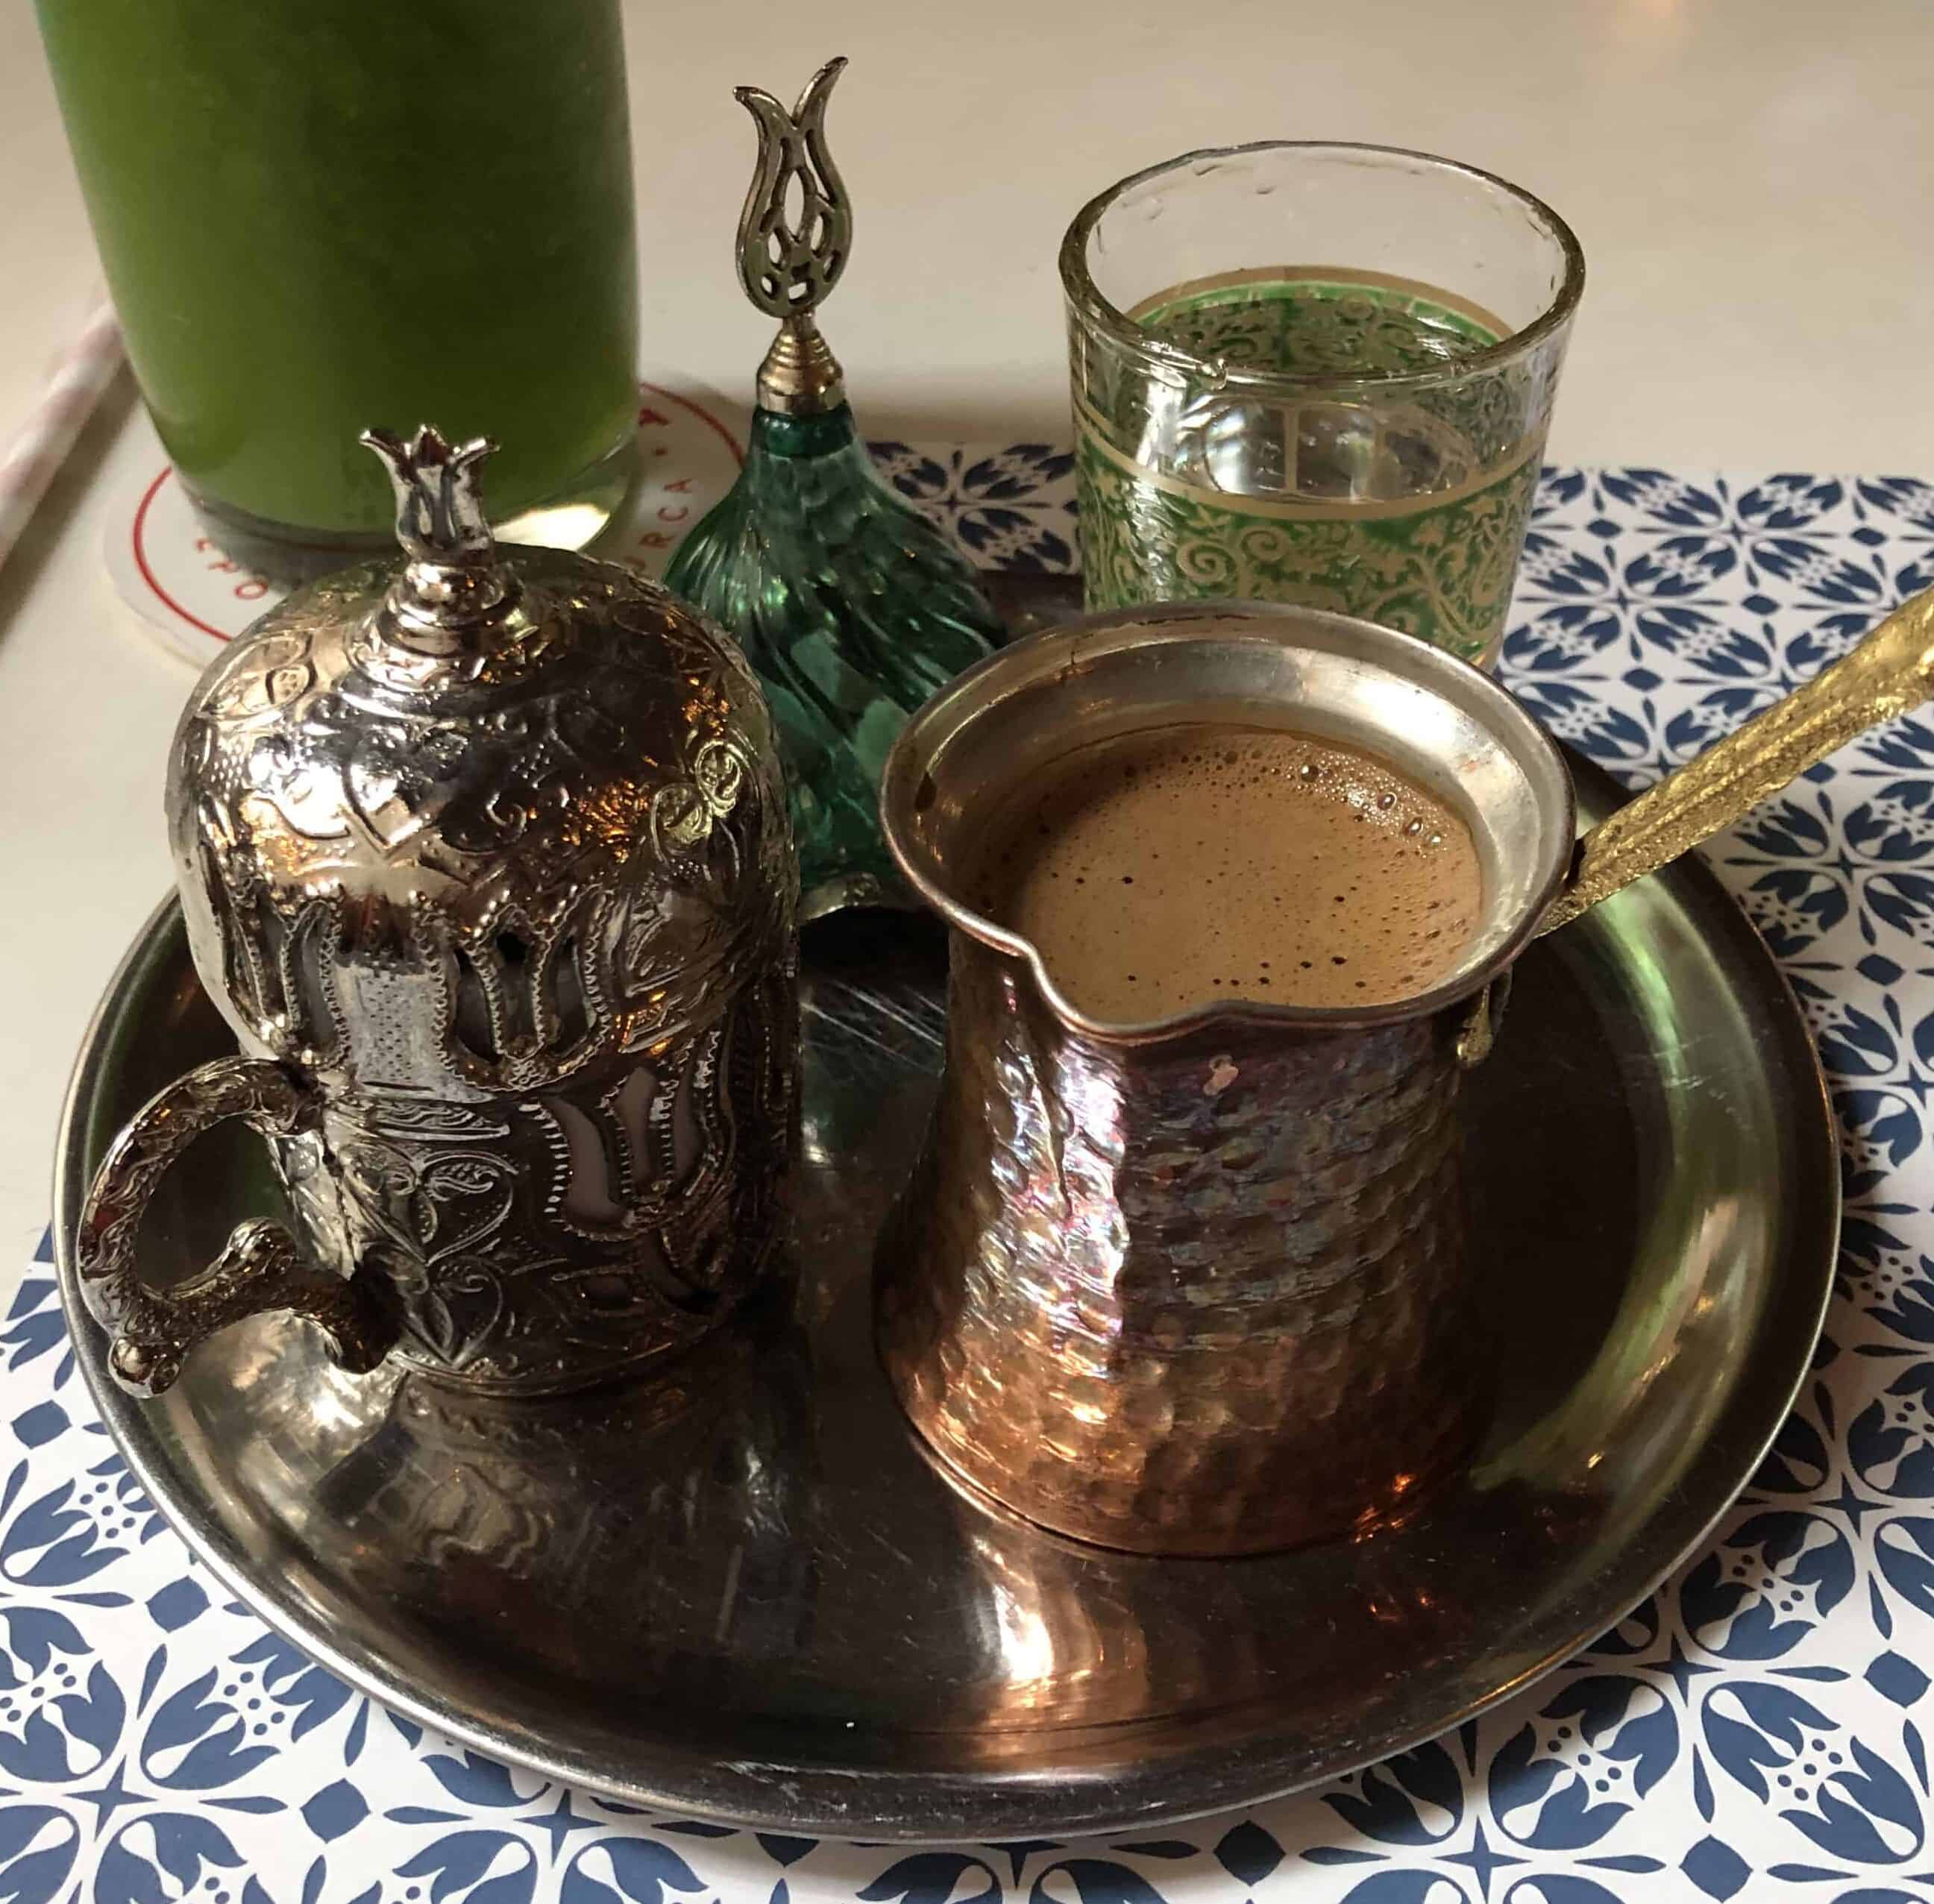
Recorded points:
319,215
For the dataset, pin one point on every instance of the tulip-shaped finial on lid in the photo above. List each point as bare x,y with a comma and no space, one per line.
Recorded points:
453,580
790,257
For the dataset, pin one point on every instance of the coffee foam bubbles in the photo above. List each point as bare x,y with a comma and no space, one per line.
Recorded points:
1189,865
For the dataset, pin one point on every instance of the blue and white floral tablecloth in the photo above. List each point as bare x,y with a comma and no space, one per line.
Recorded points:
1757,1730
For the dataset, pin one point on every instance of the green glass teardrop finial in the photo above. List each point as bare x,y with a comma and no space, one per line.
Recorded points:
851,606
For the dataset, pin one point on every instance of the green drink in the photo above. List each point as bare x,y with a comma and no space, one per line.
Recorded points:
319,215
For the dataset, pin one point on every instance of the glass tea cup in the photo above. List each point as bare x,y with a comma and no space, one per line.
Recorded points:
1319,374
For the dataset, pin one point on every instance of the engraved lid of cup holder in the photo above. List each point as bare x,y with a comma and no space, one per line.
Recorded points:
470,821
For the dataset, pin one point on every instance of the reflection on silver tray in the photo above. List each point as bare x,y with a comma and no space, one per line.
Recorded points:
739,1590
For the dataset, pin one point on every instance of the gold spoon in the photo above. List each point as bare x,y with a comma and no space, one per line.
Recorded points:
1891,673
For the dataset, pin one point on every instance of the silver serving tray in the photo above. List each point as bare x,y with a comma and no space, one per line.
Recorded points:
739,1591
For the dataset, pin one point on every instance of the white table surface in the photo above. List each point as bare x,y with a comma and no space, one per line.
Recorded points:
1753,181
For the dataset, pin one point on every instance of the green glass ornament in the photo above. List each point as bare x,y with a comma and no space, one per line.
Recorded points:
851,606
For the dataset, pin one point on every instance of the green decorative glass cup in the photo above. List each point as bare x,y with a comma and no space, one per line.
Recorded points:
1320,374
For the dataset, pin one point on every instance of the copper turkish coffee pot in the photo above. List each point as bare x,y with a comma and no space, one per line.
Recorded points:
1195,1285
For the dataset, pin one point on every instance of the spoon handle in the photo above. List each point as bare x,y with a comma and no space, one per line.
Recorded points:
1889,674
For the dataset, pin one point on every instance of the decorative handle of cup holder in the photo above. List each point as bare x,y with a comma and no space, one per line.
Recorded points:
1891,673
260,1267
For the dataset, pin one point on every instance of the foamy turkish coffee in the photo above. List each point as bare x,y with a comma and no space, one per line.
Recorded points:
1191,864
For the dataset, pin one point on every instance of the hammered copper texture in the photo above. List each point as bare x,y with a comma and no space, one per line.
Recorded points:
1204,1294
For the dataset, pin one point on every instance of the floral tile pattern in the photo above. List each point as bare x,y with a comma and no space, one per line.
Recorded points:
1758,1730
